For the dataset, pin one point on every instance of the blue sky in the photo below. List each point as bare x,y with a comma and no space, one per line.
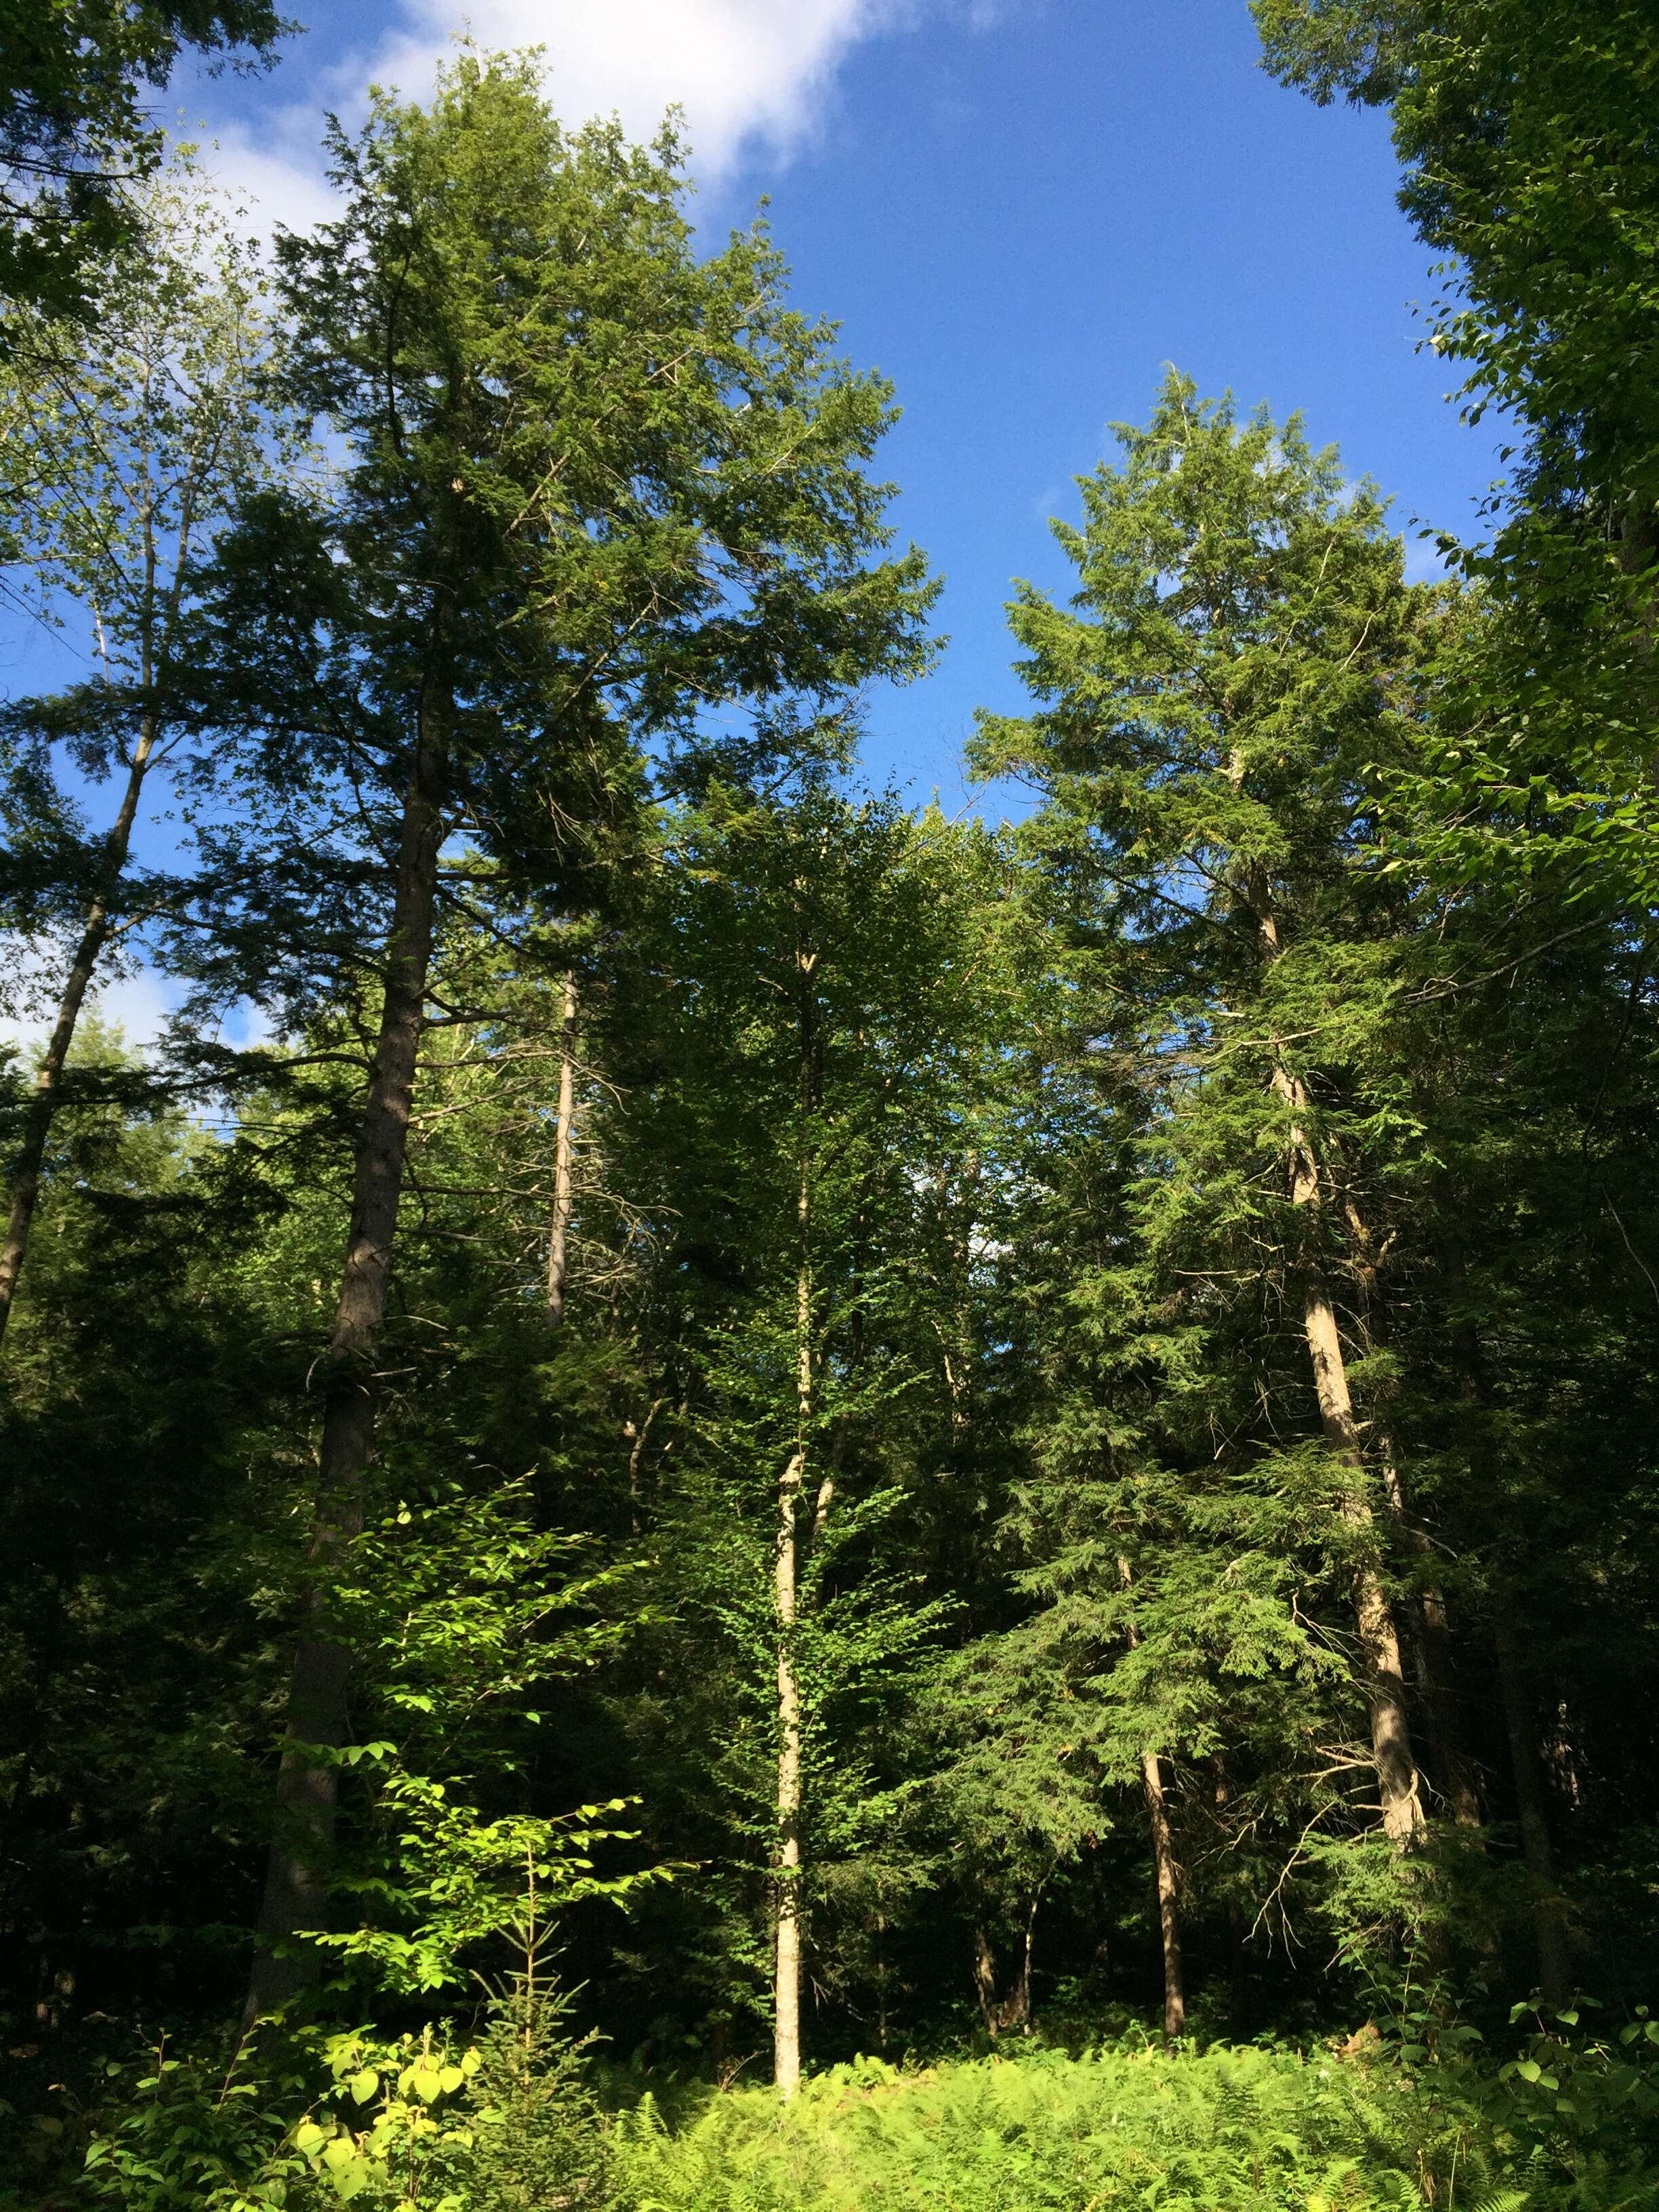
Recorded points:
1020,224
1018,210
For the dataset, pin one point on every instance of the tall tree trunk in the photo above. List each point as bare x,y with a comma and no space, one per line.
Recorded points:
1432,1640
1428,1619
1239,1996
1163,1865
49,1076
1169,1914
1520,1721
1379,1637
785,2065
786,2058
558,1241
786,1872
302,1840
985,1981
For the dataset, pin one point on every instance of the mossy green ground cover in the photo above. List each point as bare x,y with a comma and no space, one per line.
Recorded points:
1238,2129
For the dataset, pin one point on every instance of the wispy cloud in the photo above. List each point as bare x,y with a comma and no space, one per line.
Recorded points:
754,78
137,1004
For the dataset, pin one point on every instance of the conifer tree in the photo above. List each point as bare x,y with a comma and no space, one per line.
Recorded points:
596,491
1241,650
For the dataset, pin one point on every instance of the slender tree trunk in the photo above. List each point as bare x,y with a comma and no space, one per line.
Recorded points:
1016,2012
1554,1972
985,1981
1168,1913
786,1976
297,1873
558,1242
1164,1867
637,1435
786,2068
1379,1637
1432,1640
786,2062
1428,1620
49,1076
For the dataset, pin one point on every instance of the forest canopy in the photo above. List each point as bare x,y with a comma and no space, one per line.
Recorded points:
756,1431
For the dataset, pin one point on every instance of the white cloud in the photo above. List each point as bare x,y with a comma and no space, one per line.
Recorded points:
755,78
276,183
752,75
137,1005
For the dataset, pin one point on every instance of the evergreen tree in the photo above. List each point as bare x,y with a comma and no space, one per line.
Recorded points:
1523,133
597,490
1241,652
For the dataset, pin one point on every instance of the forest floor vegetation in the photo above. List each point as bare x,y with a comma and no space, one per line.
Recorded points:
520,2122
1244,2126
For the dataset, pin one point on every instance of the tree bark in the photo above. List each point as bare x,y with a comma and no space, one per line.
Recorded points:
985,1981
786,2066
1168,1913
49,1076
1163,1865
302,1839
786,1869
786,2059
1428,1620
1554,1972
1011,2008
558,1242
1379,1638
1433,1641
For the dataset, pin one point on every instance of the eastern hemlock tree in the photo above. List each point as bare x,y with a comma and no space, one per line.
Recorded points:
598,494
1240,652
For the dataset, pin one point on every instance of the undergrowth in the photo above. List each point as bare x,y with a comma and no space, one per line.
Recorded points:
1225,2130
1420,2117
